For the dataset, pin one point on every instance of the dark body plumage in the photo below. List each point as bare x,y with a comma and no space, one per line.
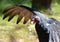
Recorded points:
42,35
45,28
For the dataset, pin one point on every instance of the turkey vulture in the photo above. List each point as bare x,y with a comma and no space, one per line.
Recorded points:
48,29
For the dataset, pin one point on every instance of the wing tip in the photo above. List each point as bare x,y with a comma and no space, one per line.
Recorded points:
8,20
17,22
24,22
4,17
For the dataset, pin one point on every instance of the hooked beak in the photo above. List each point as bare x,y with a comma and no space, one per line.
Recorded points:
33,21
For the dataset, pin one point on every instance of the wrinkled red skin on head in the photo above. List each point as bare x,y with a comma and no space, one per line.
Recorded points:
34,20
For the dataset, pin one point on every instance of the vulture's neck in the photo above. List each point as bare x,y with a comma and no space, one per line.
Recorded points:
42,35
43,18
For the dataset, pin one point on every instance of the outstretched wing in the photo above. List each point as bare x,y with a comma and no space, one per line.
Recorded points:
54,34
53,25
21,10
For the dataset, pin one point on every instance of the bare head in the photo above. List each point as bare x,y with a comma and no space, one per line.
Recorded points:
35,19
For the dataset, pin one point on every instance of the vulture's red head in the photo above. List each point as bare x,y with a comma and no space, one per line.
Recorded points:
35,19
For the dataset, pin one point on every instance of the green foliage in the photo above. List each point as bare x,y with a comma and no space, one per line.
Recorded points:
5,3
56,1
18,31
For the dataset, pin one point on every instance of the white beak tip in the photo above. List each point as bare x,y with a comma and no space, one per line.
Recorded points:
32,22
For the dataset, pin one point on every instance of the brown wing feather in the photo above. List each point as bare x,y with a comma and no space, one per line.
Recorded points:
7,13
13,14
8,8
19,18
21,11
28,16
